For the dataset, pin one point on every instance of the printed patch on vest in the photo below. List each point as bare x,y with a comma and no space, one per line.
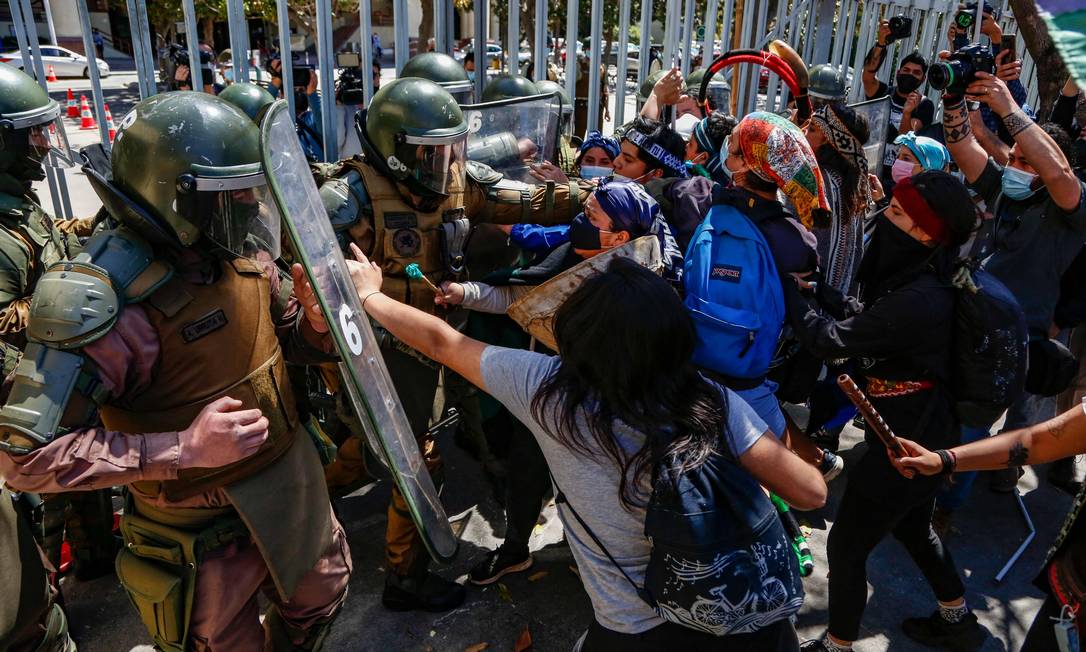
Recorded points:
203,326
401,221
406,242
727,273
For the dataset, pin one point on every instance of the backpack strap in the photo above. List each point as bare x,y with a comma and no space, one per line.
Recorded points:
560,498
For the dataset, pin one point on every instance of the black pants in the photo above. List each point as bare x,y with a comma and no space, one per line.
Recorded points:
778,637
526,487
880,501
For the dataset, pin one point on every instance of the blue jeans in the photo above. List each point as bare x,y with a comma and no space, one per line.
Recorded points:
951,496
763,400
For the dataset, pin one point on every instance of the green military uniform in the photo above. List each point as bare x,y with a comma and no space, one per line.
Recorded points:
369,203
187,275
30,242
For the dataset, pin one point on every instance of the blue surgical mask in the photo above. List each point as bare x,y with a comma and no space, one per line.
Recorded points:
471,75
595,171
1017,184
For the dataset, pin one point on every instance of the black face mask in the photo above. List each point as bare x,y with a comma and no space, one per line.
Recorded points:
891,252
583,234
906,83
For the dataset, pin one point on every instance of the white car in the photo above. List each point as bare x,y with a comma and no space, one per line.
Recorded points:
65,62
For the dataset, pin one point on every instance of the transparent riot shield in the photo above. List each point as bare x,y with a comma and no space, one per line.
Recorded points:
509,135
877,113
365,376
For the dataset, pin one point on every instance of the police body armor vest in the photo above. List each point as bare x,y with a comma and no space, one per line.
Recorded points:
27,233
226,327
404,235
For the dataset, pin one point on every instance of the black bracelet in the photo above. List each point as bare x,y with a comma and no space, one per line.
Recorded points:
949,461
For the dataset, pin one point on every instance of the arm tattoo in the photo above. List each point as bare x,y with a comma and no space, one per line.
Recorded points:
1018,456
1016,122
956,123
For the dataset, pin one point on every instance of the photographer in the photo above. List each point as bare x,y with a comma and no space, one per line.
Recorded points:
909,109
1038,224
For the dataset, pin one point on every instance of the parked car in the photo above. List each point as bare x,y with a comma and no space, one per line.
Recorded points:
65,62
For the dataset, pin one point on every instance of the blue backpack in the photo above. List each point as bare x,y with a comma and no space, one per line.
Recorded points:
733,292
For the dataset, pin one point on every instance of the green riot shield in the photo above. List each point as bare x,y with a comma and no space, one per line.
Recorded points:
365,376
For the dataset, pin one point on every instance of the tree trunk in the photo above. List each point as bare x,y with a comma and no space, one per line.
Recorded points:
207,28
426,25
1051,73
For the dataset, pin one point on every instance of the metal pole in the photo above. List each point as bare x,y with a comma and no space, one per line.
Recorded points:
671,17
726,29
286,59
1025,544
571,53
188,9
686,37
594,58
441,31
480,14
326,73
540,55
977,22
141,48
239,39
20,36
32,41
746,41
400,40
49,22
644,57
708,44
824,36
774,88
620,78
92,68
365,45
512,49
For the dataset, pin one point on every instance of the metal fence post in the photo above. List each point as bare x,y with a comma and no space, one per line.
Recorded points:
326,70
622,61
686,35
571,54
479,9
141,48
365,45
239,39
644,57
286,70
92,69
401,41
539,67
192,41
594,58
441,31
708,44
512,48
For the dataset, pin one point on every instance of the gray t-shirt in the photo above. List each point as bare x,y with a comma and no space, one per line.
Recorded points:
591,485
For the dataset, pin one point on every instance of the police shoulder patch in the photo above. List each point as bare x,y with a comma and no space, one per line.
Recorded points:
406,242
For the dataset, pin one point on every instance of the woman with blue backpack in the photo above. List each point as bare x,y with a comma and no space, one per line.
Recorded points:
630,429
900,340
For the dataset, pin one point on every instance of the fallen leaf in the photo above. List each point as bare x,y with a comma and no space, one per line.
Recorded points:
478,647
535,577
503,591
524,641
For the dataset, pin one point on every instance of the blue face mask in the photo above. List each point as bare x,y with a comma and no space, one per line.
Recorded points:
1017,184
471,75
595,171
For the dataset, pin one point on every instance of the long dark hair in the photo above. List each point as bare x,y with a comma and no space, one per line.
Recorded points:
626,342
855,202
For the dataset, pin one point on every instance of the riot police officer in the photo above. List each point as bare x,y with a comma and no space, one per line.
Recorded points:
444,71
163,328
828,85
250,98
31,241
412,199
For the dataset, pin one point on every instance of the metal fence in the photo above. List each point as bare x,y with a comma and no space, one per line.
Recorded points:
836,31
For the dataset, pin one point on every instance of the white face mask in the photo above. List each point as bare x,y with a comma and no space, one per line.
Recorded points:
596,171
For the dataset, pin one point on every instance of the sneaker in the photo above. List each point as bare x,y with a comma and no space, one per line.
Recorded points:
813,645
497,564
826,440
934,631
831,465
429,592
1005,481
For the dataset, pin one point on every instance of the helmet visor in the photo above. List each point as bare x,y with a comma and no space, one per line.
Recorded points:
439,163
244,221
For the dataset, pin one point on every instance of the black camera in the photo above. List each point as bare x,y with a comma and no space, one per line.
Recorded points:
959,71
901,26
179,56
351,85
964,19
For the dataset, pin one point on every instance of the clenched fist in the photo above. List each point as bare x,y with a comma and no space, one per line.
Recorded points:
221,435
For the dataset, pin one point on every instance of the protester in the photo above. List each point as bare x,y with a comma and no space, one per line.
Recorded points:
905,290
917,154
703,147
594,160
1061,437
649,149
647,401
837,135
1038,226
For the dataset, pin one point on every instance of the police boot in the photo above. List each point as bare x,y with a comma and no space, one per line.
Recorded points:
421,589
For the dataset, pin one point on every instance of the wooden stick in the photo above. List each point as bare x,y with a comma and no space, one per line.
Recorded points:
871,415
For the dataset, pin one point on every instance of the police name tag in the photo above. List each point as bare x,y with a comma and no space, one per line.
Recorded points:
204,326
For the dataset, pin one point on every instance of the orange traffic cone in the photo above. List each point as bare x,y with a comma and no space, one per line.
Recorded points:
86,120
109,124
73,108
51,75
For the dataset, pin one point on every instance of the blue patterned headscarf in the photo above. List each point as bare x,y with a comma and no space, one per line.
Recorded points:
596,139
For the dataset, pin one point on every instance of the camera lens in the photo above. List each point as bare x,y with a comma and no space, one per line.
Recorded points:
941,75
